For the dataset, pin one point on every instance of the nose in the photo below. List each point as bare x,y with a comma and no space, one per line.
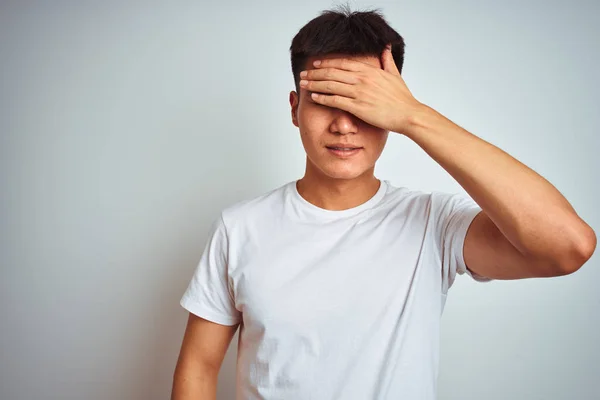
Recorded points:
343,123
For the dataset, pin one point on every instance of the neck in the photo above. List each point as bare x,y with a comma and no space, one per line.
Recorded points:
337,194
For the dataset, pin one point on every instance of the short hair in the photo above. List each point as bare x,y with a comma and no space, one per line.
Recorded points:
358,33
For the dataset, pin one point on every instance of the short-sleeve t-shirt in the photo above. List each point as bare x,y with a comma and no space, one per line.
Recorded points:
334,304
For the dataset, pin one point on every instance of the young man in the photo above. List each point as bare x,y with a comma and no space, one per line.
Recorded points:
338,280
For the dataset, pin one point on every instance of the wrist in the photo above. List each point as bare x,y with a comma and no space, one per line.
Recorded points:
420,119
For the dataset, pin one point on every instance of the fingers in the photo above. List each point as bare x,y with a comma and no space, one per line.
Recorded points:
330,87
330,74
341,63
343,103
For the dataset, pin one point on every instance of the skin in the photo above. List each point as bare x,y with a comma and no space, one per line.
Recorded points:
332,182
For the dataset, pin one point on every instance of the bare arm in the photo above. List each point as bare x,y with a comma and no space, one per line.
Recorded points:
202,351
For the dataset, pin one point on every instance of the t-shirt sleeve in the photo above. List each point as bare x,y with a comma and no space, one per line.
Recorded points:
452,216
209,293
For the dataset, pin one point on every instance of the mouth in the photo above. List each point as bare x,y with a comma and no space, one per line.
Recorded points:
343,152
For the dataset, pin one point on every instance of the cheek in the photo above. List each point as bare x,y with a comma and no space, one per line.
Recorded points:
377,142
313,124
312,116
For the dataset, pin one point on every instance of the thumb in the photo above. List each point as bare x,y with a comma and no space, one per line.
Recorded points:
388,61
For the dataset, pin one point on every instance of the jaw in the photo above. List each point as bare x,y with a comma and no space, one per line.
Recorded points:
331,167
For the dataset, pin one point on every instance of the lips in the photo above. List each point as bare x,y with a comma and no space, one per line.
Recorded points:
339,152
340,146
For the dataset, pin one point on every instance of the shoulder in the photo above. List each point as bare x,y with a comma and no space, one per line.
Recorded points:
430,203
449,202
254,208
401,197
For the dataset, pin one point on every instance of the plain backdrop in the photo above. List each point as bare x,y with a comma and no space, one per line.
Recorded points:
126,127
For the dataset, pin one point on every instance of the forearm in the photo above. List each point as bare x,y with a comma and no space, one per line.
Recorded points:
528,210
194,383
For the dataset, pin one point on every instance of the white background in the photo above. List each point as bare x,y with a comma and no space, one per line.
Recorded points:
125,128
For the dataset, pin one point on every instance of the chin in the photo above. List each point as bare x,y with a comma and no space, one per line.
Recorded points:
344,173
334,169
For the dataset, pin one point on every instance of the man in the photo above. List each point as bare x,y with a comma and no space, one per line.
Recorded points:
338,280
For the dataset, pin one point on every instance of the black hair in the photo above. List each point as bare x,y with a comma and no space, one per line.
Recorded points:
355,33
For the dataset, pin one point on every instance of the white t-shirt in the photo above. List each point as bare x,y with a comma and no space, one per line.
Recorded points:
334,304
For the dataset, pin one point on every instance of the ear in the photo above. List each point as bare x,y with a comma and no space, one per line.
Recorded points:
294,100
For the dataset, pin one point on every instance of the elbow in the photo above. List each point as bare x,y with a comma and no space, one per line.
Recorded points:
580,252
